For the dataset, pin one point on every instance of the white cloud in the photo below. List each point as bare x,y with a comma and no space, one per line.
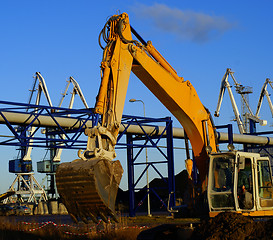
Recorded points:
187,25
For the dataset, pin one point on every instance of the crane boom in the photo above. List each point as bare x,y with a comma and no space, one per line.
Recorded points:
226,85
76,90
41,89
265,92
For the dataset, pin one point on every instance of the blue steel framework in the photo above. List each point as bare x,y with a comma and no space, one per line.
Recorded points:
264,150
20,138
135,142
72,140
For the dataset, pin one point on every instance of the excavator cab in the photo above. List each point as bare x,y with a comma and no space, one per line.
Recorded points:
241,182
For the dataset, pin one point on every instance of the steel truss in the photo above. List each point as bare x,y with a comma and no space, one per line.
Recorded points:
263,150
53,131
135,144
26,186
56,122
14,115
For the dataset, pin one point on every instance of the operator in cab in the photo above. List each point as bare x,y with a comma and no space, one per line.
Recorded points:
244,186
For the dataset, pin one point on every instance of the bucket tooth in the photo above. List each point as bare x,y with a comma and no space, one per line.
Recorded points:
89,188
95,220
75,220
103,217
84,219
114,217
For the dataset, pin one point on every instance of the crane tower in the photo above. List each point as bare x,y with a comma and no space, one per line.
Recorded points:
244,91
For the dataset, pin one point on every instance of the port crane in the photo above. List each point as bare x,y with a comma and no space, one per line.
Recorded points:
76,90
89,184
49,166
25,183
264,92
225,85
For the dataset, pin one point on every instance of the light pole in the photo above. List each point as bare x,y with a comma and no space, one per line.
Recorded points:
146,152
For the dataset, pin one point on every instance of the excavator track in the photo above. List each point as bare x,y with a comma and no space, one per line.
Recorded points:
88,188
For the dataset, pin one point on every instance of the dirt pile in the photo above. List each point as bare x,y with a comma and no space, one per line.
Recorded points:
233,226
225,226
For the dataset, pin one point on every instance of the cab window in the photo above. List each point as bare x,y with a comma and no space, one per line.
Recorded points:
221,194
245,184
265,184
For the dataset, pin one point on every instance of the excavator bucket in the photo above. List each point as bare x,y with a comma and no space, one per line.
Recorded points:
88,188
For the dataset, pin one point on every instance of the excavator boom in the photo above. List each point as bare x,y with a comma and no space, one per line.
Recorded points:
88,185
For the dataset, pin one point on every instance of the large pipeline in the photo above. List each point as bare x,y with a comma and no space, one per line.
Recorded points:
24,119
222,136
71,123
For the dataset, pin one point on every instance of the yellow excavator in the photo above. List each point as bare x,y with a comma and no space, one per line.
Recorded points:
230,181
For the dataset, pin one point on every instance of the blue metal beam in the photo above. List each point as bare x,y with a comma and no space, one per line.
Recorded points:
72,135
151,142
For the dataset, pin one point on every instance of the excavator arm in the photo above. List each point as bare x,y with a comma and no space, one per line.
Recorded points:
88,185
177,95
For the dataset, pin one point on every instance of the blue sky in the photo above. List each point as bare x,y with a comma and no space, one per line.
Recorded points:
200,39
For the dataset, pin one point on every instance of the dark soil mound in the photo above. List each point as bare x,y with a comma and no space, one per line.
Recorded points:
233,226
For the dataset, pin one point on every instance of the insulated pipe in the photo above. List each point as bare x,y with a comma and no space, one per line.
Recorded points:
179,133
249,139
41,121
68,122
222,136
